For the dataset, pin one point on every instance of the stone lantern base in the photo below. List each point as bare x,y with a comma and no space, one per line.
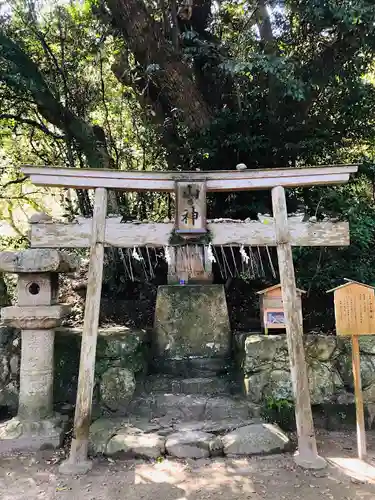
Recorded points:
17,434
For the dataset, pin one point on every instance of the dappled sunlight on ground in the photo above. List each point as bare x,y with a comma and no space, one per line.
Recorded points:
354,468
36,477
202,476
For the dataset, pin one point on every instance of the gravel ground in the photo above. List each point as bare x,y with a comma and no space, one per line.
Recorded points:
36,476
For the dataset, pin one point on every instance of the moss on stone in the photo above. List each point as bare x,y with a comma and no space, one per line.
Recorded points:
192,320
177,239
117,347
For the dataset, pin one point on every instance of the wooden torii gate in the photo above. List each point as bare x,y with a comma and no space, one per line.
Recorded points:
101,232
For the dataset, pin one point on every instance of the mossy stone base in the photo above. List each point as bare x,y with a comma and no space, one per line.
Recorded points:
17,434
191,320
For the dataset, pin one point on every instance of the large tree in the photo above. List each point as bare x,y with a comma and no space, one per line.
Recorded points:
279,82
202,84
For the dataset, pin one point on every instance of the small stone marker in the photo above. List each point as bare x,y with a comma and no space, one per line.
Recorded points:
355,315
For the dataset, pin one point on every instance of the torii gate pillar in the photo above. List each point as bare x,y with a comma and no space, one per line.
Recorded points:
307,455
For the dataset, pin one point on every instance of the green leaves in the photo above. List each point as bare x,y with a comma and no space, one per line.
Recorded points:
288,84
258,65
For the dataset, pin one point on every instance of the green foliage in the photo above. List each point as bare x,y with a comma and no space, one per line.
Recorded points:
8,282
176,239
17,197
279,411
56,60
291,84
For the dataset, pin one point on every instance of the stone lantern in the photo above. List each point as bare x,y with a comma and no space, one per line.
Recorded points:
36,314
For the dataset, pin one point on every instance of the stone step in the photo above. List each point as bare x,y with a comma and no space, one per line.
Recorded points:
197,386
142,438
189,367
186,407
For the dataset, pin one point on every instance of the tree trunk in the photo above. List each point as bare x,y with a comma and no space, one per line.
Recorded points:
177,88
270,48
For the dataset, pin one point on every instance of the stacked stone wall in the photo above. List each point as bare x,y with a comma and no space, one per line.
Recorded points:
121,358
264,362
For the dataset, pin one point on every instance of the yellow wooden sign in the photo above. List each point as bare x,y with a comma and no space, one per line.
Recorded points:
354,314
354,309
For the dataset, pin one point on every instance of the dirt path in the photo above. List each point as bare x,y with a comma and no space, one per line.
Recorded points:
35,477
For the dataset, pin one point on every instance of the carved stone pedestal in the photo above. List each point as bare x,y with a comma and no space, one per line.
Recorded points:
191,321
36,315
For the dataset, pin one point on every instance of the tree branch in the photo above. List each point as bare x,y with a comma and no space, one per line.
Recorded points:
15,181
265,27
326,63
18,197
33,123
23,75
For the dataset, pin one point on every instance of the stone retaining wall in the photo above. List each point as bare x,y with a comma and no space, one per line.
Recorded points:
121,356
265,365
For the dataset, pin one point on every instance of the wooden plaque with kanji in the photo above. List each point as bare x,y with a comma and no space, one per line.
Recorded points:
354,309
190,207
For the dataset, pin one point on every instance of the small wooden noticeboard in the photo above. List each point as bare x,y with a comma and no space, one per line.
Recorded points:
355,316
272,307
354,309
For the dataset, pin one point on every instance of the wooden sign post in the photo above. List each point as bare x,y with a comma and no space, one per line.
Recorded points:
355,315
188,261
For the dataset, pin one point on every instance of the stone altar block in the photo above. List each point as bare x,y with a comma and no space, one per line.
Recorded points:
191,321
36,314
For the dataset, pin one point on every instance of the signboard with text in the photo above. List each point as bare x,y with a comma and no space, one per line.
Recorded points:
190,207
354,314
355,309
275,318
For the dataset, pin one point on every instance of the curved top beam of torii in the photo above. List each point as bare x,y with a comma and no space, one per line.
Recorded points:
223,180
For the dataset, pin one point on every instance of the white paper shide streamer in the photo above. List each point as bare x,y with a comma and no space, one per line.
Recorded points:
167,254
210,254
244,256
136,255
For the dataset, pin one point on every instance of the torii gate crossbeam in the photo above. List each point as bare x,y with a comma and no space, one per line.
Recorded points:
222,180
